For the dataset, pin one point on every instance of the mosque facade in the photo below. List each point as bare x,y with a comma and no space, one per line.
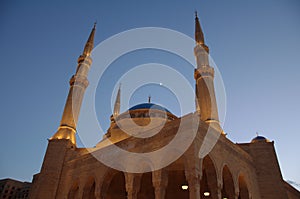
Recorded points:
226,171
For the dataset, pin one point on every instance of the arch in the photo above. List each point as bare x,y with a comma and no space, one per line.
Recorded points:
146,187
74,191
89,188
176,178
228,190
107,177
113,186
243,188
145,165
209,180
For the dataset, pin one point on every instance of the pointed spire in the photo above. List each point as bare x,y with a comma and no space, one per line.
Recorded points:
90,43
199,37
149,99
117,103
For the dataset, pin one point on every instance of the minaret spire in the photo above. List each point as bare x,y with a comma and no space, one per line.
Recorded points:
199,36
206,104
78,84
90,42
117,103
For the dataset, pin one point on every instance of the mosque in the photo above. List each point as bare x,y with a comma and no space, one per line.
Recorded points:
226,171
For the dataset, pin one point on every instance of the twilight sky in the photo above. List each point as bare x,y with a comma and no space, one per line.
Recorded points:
255,44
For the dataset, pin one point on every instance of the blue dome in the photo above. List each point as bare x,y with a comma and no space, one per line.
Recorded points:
259,139
149,106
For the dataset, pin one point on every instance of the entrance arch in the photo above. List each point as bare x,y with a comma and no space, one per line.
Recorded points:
113,186
244,193
176,179
228,184
89,189
146,187
209,182
74,191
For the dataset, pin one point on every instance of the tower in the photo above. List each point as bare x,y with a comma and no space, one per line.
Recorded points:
78,84
206,104
46,183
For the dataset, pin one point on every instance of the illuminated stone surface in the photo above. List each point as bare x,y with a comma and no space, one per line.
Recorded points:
233,171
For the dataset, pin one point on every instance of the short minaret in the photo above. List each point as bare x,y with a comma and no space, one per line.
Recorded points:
78,85
206,104
117,105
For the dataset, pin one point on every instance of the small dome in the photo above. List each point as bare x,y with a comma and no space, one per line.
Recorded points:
259,138
149,106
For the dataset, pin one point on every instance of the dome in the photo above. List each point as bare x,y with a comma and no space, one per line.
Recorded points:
146,110
259,138
149,106
139,119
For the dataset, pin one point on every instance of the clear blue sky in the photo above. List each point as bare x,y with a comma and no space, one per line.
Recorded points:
255,44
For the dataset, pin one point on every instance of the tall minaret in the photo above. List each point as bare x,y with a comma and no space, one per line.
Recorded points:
78,84
117,103
206,104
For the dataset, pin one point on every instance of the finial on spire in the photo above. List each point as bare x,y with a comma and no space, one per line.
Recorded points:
199,37
90,42
149,99
117,102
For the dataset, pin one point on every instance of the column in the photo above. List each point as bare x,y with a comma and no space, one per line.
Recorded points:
80,192
98,190
160,183
236,192
193,180
193,170
219,188
133,183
